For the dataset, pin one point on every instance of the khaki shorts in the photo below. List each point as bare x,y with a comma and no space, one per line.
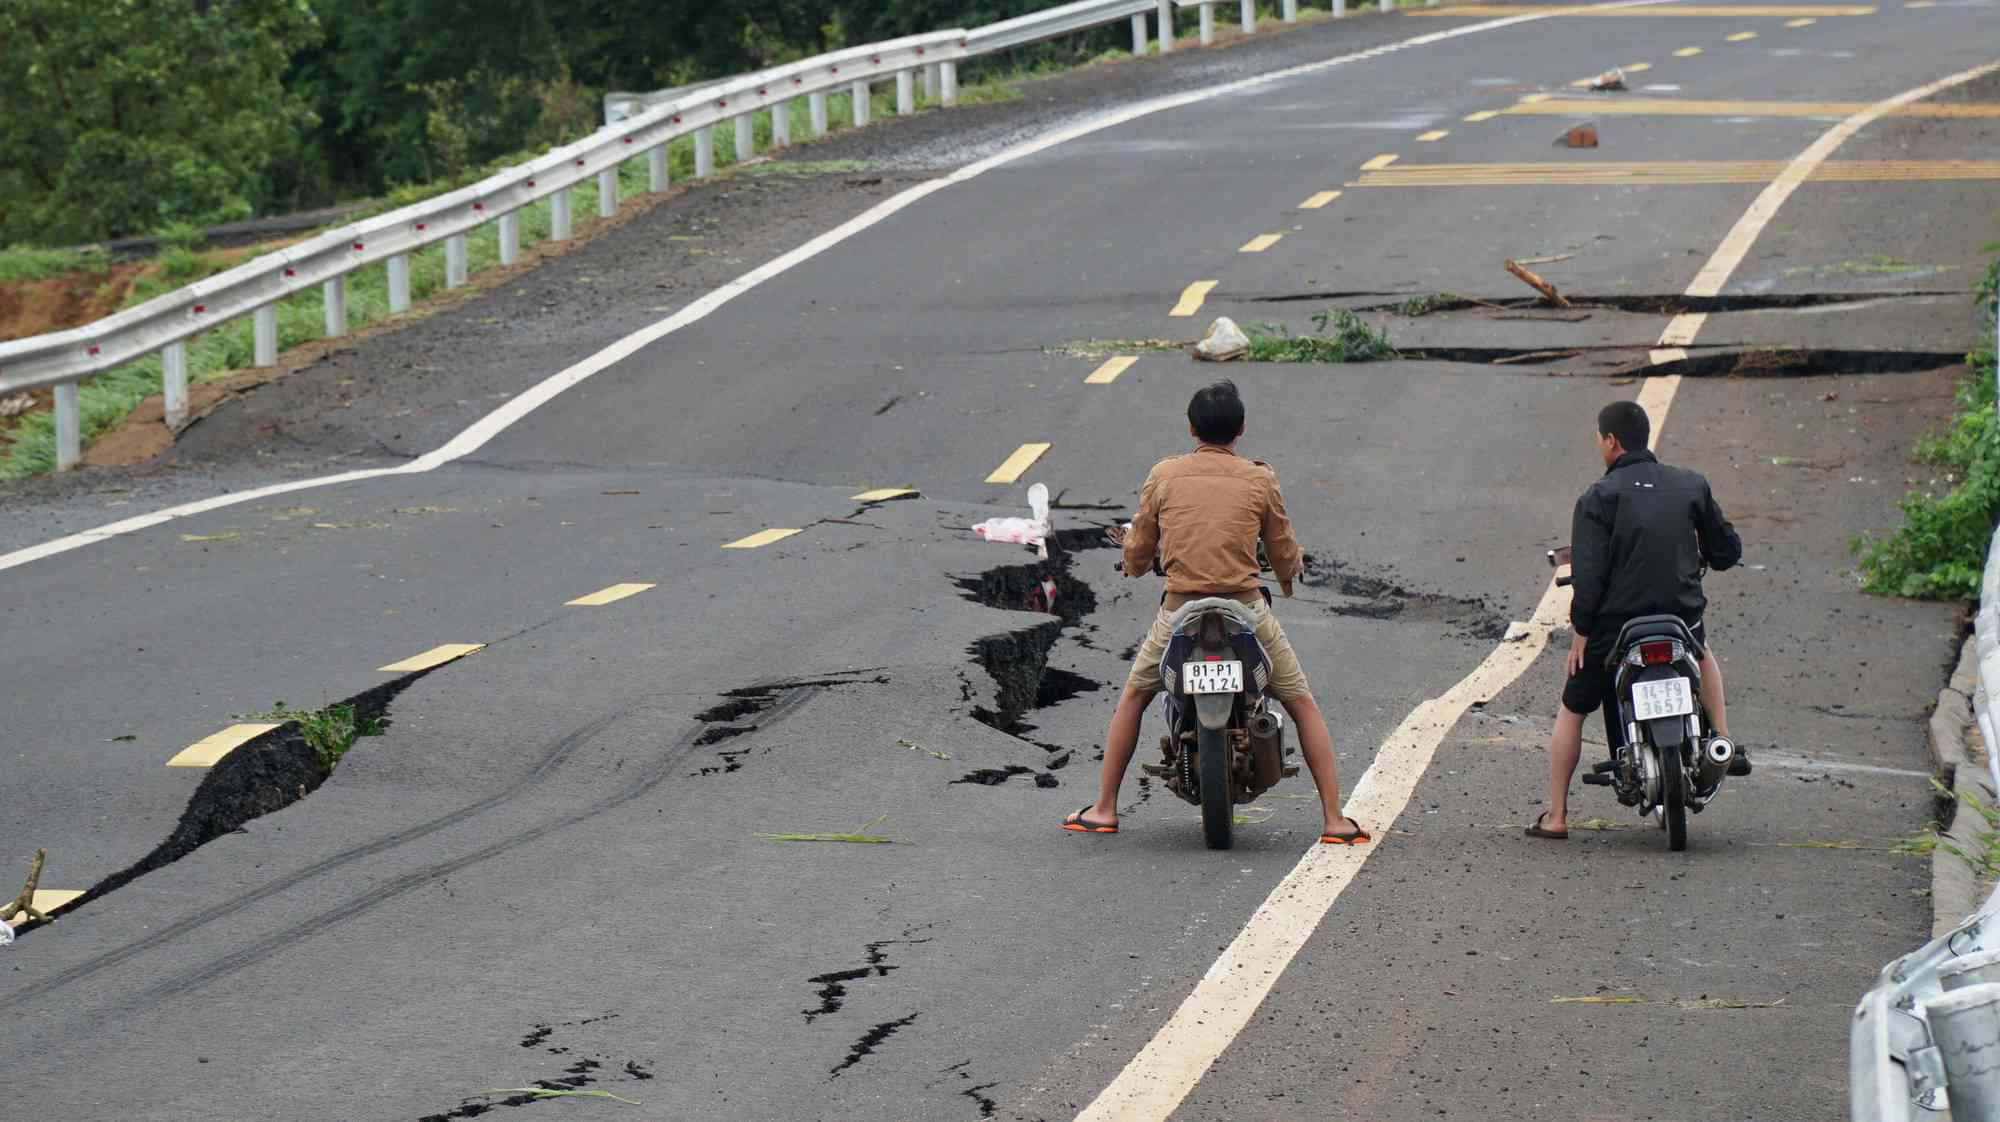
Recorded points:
1288,678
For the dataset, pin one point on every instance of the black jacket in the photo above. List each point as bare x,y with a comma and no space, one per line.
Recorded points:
1640,540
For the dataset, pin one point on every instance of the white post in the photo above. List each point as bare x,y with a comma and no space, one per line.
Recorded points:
607,192
704,152
69,427
264,335
948,83
456,268
656,168
510,237
930,82
1965,1023
1208,23
781,124
1249,16
1291,11
399,283
1388,5
746,138
858,93
816,108
559,221
1139,34
174,382
1165,19
906,93
1339,8
334,295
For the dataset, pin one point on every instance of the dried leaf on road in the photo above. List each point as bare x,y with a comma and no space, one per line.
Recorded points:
1602,999
230,537
1728,1003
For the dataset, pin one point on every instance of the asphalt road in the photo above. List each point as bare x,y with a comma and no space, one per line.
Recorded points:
550,865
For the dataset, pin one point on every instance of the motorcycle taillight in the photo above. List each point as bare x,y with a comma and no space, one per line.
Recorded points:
1653,654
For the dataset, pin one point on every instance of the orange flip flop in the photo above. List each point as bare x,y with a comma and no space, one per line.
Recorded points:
1360,836
1078,824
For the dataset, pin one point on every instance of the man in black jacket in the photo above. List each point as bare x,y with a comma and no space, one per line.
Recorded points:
1640,540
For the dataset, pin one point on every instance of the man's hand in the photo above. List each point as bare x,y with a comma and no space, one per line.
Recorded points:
1574,663
1117,533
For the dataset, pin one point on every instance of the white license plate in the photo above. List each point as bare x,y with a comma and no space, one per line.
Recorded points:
1212,677
1669,697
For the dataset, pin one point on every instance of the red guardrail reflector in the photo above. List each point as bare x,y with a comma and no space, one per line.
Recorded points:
93,351
531,183
295,272
579,163
628,140
482,206
835,70
200,309
677,121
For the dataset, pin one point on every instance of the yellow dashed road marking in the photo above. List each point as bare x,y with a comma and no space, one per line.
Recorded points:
1319,200
610,595
1677,107
1687,52
1482,115
1672,174
1637,67
209,749
761,538
1536,97
1667,354
1685,11
1192,297
436,656
1023,458
49,899
1260,243
1109,372
1434,134
883,495
1801,22
1380,162
1743,37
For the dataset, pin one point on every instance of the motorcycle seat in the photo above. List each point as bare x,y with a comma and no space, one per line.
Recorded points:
1178,646
1656,627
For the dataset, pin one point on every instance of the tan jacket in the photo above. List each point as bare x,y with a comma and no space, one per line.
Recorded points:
1203,513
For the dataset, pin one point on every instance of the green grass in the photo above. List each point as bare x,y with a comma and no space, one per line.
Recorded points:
1340,336
1940,550
34,263
1984,853
330,731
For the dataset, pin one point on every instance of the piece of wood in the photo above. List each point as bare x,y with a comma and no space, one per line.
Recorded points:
24,904
1545,260
1538,284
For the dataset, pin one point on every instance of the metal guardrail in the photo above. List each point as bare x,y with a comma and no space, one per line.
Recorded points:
637,125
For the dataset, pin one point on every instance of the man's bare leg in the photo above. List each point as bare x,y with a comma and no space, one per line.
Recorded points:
1316,744
1121,740
1565,748
1711,692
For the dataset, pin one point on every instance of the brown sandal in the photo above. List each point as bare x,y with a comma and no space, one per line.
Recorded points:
1537,831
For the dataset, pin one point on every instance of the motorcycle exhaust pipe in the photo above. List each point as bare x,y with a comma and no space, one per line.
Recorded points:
1715,758
1267,749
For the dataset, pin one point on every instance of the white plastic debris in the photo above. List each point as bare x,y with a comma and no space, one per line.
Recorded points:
1613,79
6,933
1027,531
1225,342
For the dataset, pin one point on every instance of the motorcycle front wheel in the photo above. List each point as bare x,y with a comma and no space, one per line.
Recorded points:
1218,813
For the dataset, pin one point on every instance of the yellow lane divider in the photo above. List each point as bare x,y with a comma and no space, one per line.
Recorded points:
1682,11
1023,458
1380,162
1800,22
1678,107
1677,174
1434,134
436,656
207,751
762,538
47,900
1636,67
1482,115
1109,372
610,595
1687,52
1192,298
1319,200
1743,37
1260,243
883,494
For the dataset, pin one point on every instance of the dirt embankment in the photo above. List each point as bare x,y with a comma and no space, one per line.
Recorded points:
37,307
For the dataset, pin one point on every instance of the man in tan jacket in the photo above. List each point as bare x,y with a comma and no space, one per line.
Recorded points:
1202,514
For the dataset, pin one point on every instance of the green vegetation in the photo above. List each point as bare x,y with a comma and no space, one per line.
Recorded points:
1940,550
1984,854
1340,336
330,731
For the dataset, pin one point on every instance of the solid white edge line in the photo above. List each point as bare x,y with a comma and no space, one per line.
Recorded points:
1153,1085
486,428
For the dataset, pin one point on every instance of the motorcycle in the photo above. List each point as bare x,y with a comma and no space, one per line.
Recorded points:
1665,760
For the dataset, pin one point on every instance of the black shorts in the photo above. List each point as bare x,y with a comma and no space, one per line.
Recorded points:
1587,690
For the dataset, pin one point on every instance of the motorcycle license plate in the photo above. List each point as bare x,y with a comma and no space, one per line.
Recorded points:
1212,677
1670,697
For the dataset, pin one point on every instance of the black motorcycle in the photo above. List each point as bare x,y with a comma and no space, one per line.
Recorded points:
1665,759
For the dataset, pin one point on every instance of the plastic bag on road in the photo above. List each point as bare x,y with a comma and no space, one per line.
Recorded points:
6,933
1028,531
1225,342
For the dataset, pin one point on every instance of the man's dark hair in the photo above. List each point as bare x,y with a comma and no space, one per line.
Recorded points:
1626,421
1216,412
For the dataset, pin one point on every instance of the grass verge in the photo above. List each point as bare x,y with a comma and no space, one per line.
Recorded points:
1940,550
1983,856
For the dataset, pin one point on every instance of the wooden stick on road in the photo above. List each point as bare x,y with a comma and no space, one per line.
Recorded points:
25,902
1538,284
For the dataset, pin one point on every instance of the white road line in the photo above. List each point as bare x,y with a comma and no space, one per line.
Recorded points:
1152,1086
486,428
1784,762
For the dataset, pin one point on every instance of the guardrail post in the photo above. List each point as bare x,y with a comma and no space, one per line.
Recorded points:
781,124
607,192
1388,5
656,169
858,92
456,270
746,138
948,83
1965,1023
1339,8
704,152
929,81
1208,24
264,335
1291,11
69,427
510,237
559,217
1249,16
334,293
1165,20
816,109
906,93
399,283
1138,35
174,382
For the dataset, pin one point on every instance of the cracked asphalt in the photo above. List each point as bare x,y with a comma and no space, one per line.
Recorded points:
562,864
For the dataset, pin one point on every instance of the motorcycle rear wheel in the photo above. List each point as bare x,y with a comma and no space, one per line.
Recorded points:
1218,812
1674,798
